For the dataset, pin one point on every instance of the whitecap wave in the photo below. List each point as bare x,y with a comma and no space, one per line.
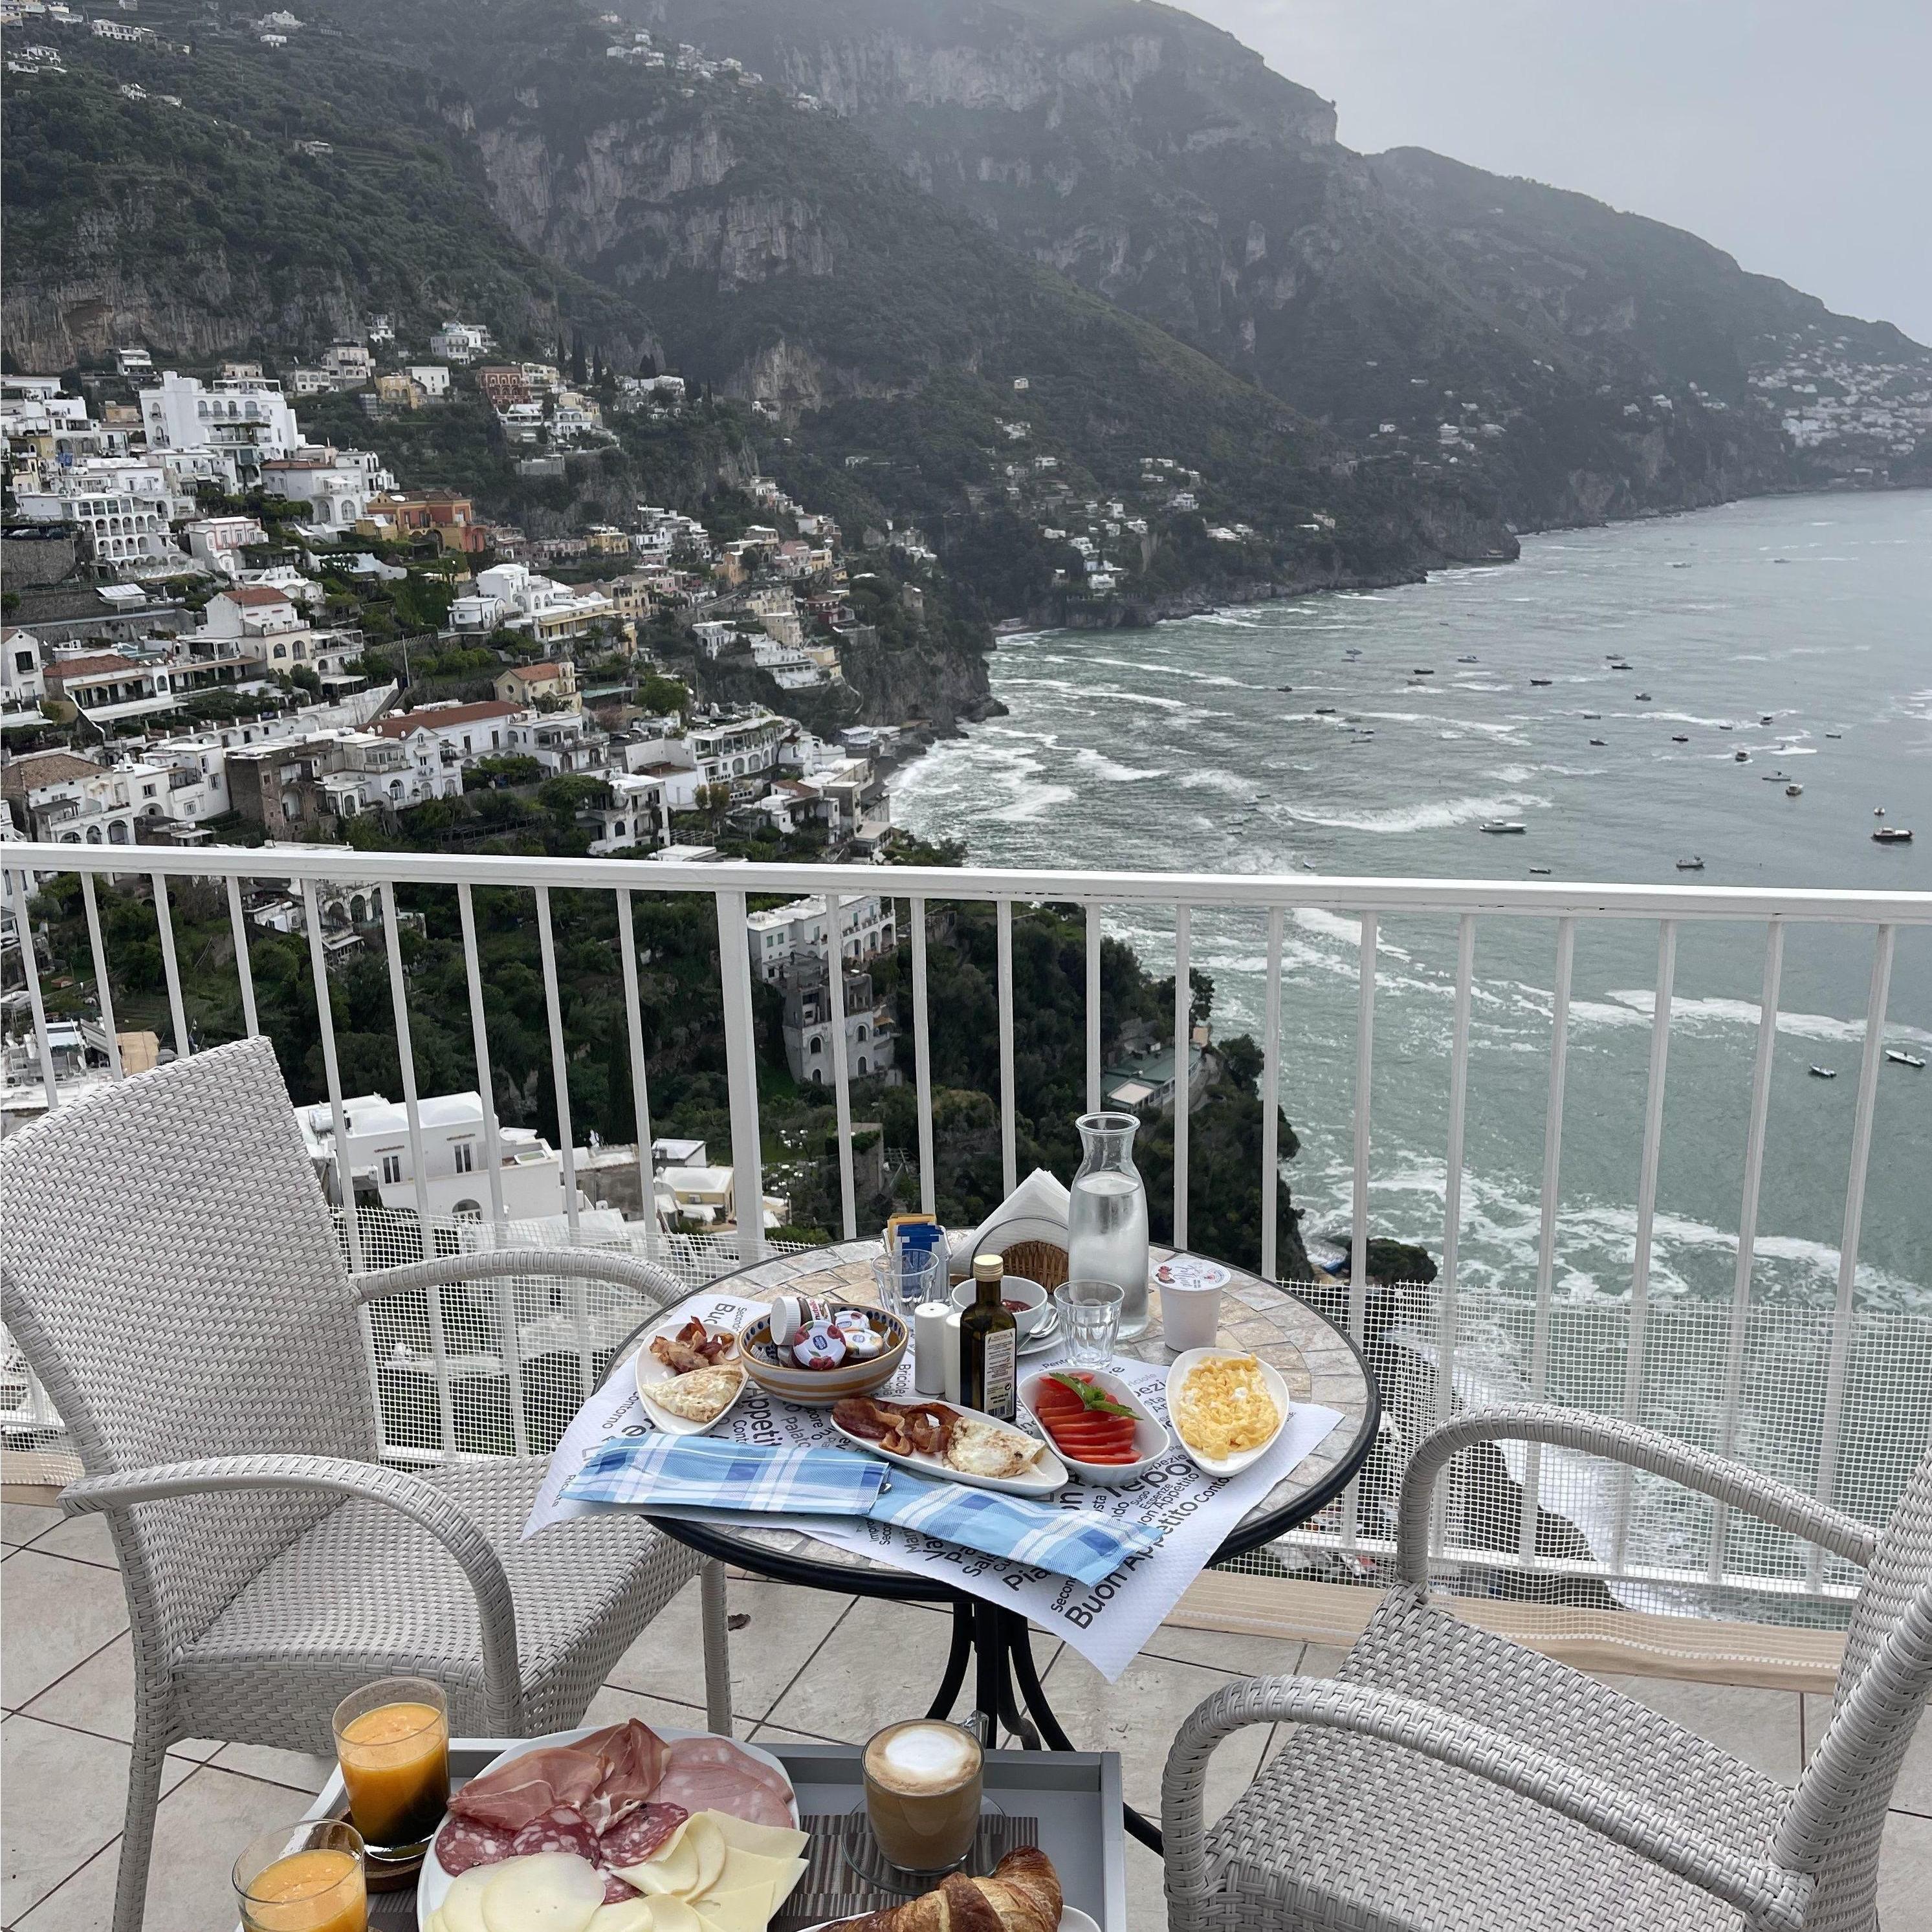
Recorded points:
1718,1013
1439,815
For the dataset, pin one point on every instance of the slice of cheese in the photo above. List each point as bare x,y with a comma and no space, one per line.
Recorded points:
770,1841
707,1846
747,1909
627,1915
670,1871
749,1868
673,1914
547,1892
462,1908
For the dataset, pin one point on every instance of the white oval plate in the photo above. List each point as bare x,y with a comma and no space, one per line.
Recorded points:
432,1883
1231,1465
1050,1475
1151,1439
648,1371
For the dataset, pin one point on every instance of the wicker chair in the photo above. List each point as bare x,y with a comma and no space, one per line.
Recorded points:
171,1272
1448,1780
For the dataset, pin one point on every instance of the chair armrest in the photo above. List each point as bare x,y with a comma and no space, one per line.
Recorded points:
1731,1483
422,1502
657,1286
1770,1898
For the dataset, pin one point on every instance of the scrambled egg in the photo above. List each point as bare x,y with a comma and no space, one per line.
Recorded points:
1224,1407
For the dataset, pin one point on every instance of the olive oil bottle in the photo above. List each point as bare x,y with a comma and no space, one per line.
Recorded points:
988,1344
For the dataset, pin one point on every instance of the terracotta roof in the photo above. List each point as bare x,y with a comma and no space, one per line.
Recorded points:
434,717
537,671
257,594
29,772
97,666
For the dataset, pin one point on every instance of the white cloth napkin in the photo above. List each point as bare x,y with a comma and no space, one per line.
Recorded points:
1039,1198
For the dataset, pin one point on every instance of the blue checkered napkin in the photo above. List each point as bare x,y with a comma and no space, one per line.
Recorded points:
706,1472
997,1525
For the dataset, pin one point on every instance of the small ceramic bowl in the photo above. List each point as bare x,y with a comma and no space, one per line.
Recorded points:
776,1372
1036,1304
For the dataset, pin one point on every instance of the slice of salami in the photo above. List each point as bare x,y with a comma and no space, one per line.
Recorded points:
463,1843
559,1830
636,1837
616,1891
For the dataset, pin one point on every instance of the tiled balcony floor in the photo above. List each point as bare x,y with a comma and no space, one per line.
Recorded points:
66,1685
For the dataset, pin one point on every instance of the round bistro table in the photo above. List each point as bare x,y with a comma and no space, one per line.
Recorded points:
1318,1361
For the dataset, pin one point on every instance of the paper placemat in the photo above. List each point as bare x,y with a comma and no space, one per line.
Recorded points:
1107,1622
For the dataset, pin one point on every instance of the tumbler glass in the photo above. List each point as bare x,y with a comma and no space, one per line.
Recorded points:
1091,1311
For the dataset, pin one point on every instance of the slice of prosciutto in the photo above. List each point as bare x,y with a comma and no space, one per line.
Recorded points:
711,1773
602,1778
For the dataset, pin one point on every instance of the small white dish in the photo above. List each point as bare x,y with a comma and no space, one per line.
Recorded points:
649,1372
1036,1309
1151,1441
1228,1465
1048,1474
433,1882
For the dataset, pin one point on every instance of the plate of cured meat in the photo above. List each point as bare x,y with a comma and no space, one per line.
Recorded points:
689,1377
955,1444
616,1827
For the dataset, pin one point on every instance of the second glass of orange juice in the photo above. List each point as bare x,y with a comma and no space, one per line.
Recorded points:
392,1741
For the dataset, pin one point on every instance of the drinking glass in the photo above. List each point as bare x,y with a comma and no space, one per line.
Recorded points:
392,1741
1091,1311
923,1807
917,1275
303,1878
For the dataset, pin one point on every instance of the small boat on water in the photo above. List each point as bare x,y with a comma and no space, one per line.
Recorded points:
1643,697
1794,791
1505,825
1834,734
1824,1073
1593,714
1878,811
1467,661
1543,680
1679,738
1600,741
1726,728
1899,1057
1694,863
1766,718
1742,758
1622,663
1284,687
1772,777
1893,834
1420,671
1543,872
1324,711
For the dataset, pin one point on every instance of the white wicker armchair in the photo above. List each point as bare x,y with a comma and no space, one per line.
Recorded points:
1448,1780
170,1271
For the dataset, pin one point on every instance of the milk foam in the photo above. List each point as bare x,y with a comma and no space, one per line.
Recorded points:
922,1758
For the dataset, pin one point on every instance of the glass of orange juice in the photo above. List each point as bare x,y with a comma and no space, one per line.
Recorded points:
303,1878
392,1742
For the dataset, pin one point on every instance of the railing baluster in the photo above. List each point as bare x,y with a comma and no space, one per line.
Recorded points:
30,964
640,1091
103,989
1646,1218
922,1047
244,970
164,925
741,1072
1183,1007
324,1016
1452,1192
479,1042
1093,1008
1740,1282
559,1068
842,1088
1546,1241
405,1059
1874,1057
1358,1242
1003,923
1271,1096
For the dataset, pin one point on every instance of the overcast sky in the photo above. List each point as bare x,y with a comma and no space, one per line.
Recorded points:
1796,137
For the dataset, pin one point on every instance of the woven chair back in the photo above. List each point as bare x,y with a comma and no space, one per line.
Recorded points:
172,1274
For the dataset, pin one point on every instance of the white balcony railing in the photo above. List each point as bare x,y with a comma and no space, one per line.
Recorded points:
1848,1423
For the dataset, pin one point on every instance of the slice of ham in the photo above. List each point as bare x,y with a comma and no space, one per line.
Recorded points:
713,1775
602,1778
463,1843
639,1835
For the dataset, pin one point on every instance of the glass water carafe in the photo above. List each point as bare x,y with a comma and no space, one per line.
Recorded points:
1107,1217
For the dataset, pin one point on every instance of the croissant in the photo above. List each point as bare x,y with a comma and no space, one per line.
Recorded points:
1022,1895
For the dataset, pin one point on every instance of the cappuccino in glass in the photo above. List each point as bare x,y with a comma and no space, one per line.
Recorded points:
922,1782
